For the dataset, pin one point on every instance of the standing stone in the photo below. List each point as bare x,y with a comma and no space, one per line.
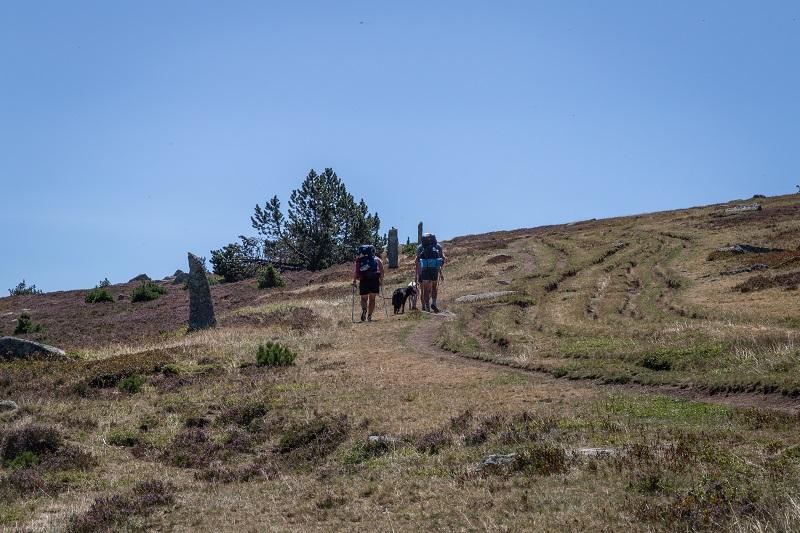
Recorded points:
393,244
201,307
419,233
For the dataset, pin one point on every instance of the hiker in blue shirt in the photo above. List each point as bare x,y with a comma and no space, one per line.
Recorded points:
430,260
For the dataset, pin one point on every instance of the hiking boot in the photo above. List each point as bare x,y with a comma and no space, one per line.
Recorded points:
363,315
369,318
434,309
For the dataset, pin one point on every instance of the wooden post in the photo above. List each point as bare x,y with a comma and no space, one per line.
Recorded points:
419,233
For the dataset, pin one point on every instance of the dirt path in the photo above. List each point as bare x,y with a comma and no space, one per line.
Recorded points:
423,342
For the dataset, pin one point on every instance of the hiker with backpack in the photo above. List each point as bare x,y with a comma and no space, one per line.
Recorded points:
430,260
368,275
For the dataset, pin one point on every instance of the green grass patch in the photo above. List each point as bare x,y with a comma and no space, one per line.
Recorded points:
670,409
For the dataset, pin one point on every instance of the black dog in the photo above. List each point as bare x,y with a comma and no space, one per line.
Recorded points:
399,297
399,301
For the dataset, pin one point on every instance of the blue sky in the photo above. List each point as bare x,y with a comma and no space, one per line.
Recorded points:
131,132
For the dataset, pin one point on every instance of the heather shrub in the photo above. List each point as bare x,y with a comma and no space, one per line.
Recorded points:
314,439
34,439
107,513
273,354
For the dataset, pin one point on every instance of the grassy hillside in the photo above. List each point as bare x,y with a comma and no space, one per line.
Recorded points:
148,427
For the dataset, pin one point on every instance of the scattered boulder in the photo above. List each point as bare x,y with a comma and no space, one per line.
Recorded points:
201,306
503,282
8,405
747,249
595,452
14,348
497,459
180,277
140,277
469,298
751,268
743,208
383,439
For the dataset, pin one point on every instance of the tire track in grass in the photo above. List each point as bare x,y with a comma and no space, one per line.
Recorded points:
423,342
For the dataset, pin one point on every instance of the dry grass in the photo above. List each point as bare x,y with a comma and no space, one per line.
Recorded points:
226,445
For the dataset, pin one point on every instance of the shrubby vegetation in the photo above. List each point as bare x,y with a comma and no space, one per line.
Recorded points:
99,294
322,226
147,291
25,325
22,288
273,354
270,277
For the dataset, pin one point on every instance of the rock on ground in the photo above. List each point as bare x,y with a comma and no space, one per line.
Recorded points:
742,208
15,348
751,268
201,306
497,459
748,249
8,405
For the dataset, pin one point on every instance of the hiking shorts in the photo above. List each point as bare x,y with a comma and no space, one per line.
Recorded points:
369,286
429,274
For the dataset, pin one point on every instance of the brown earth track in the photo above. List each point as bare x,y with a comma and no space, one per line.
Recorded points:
423,342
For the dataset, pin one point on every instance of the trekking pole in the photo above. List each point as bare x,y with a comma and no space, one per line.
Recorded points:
353,308
384,303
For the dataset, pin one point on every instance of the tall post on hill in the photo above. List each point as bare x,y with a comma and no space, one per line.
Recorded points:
419,233
393,245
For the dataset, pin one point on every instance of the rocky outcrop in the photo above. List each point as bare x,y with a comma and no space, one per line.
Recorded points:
748,249
179,277
201,306
140,277
744,208
15,348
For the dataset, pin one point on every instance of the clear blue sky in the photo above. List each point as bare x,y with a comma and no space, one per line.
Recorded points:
131,132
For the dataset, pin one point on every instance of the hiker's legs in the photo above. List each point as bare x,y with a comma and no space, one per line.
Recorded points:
371,303
364,298
434,292
426,293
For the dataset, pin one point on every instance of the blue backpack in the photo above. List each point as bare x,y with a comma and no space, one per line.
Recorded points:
367,262
430,253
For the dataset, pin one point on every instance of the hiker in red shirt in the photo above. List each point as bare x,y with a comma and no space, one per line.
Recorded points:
368,273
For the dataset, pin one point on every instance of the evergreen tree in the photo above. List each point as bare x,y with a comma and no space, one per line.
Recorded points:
323,224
